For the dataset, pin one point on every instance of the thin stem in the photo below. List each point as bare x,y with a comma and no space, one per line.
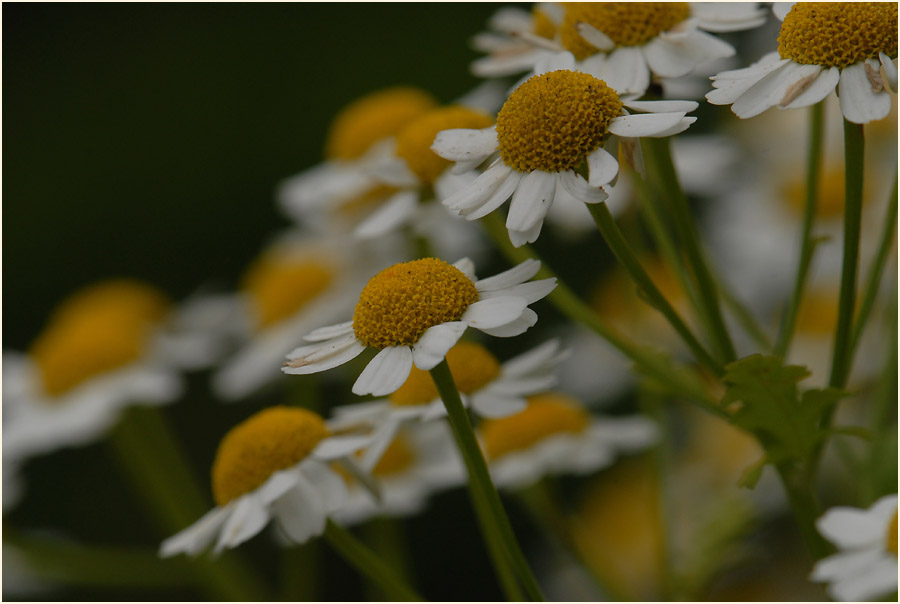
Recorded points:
842,358
807,246
487,501
568,303
390,544
367,563
798,486
657,149
619,246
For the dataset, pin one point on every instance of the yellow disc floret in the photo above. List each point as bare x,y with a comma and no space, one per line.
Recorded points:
548,414
553,121
280,286
373,118
891,540
274,439
838,34
471,365
401,302
625,23
396,458
415,140
99,329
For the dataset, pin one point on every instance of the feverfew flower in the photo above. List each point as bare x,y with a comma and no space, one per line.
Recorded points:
553,125
99,353
865,566
821,45
414,312
556,434
275,465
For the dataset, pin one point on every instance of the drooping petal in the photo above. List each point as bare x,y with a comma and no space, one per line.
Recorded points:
334,447
397,210
673,58
520,273
320,357
627,71
385,373
531,291
662,106
480,190
533,359
575,186
331,488
432,347
681,126
850,527
814,91
466,266
248,517
465,144
890,70
526,320
197,537
300,513
494,312
648,124
531,201
771,89
520,238
860,102
602,167
497,198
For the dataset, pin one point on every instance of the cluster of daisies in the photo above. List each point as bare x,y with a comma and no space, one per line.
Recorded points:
407,177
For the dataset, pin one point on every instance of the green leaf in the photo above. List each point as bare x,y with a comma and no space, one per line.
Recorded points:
752,473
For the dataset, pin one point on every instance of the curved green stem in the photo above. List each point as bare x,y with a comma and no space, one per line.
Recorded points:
798,486
485,498
619,246
807,246
367,563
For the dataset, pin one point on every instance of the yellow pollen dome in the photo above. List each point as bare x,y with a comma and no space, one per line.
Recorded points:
891,540
396,458
551,122
547,414
273,439
372,118
102,328
625,23
280,286
401,302
838,34
415,140
471,365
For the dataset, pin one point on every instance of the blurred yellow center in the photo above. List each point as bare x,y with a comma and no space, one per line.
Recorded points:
471,365
891,540
838,34
396,458
99,329
543,25
373,118
553,121
414,141
401,302
625,23
546,415
367,201
274,439
830,200
818,312
279,286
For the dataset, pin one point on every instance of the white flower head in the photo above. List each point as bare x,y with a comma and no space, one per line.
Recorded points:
99,353
865,566
552,125
625,44
414,312
555,434
823,46
274,465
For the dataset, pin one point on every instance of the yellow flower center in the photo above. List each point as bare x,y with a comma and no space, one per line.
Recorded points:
546,415
99,329
372,118
280,286
838,34
401,302
471,365
543,26
414,141
818,312
553,121
891,541
625,23
274,439
396,458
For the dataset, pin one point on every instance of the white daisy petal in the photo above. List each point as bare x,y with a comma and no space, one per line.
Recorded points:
432,347
662,106
555,62
520,238
860,103
491,405
381,439
523,385
890,70
772,88
879,578
394,171
531,292
494,312
627,71
340,446
594,36
731,85
814,91
247,518
299,512
781,9
466,266
843,564
577,187
670,58
850,527
465,144
532,360
602,167
497,198
330,331
276,485
520,273
481,189
320,357
197,537
331,488
385,372
531,201
397,210
681,126
648,124
525,321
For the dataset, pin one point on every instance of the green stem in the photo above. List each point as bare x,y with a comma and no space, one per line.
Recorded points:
568,303
390,544
300,571
487,502
658,151
842,358
884,427
367,563
873,279
807,246
619,246
798,486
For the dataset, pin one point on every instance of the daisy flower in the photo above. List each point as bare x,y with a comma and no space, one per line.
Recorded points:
865,566
490,388
420,460
275,465
517,40
414,312
627,43
849,47
98,354
552,124
556,434
295,285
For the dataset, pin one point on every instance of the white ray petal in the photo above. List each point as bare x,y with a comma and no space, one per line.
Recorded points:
576,187
246,520
531,360
340,446
681,126
432,347
520,238
323,356
300,512
465,144
860,103
662,106
494,312
594,36
771,89
520,273
331,488
480,190
627,71
602,167
531,291
555,62
385,373
197,537
669,57
497,198
329,331
397,210
531,201
890,70
648,124
493,406
526,320
814,91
